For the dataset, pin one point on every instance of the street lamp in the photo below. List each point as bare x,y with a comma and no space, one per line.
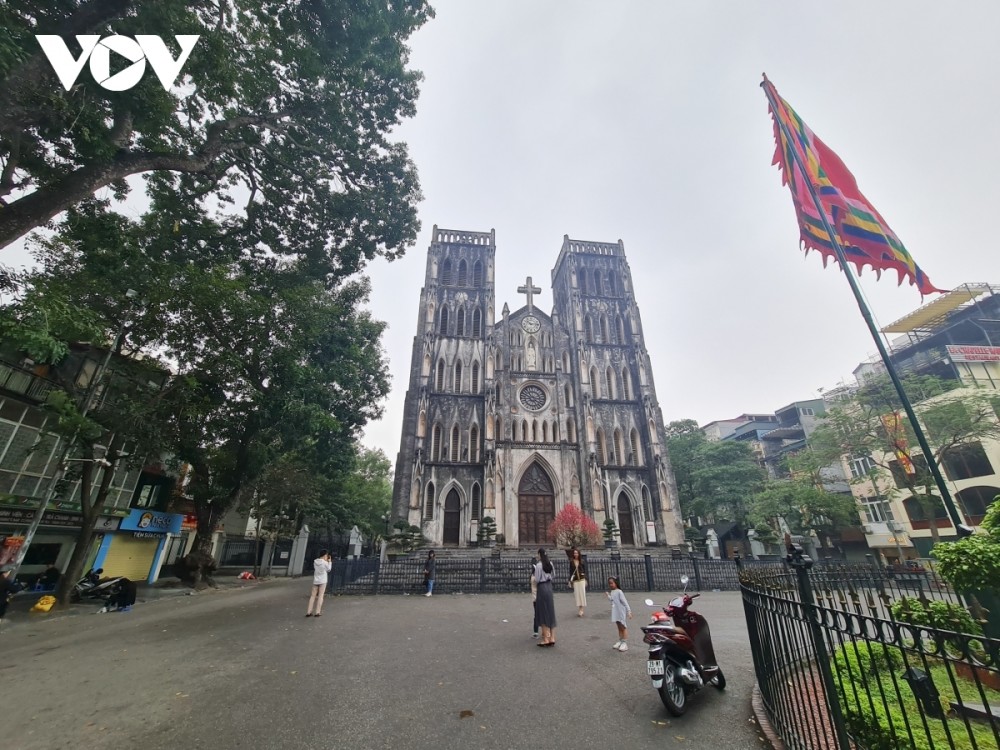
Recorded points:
387,516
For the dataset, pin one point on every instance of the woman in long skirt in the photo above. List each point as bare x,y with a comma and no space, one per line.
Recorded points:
578,579
546,605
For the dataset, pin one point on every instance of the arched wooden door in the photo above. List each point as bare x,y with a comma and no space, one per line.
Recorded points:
625,527
536,504
452,518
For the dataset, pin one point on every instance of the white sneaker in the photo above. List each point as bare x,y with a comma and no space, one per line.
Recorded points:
617,645
427,594
623,647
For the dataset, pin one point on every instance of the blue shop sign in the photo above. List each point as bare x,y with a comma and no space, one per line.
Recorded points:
151,521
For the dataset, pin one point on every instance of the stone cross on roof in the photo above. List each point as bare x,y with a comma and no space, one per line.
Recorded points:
529,290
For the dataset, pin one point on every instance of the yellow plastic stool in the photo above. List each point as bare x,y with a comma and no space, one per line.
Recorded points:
44,604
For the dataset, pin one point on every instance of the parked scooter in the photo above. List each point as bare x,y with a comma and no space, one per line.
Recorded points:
681,658
92,586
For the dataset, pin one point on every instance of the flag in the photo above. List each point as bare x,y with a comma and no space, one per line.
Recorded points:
863,234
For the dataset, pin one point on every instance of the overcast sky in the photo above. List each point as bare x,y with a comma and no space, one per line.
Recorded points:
645,122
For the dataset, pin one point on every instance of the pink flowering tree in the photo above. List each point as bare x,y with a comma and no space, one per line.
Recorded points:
573,528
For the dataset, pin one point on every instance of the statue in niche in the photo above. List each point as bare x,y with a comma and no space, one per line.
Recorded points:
532,357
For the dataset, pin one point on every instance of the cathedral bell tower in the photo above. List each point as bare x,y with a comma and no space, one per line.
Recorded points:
445,450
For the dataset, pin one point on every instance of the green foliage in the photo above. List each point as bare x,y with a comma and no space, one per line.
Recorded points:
574,528
610,530
935,614
880,708
276,100
804,507
683,438
970,564
725,474
406,539
487,530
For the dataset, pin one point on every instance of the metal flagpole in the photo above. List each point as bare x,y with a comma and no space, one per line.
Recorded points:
960,528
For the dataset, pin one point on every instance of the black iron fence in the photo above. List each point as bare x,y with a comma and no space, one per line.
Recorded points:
855,656
497,574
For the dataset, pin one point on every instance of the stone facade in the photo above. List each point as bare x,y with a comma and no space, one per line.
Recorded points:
517,417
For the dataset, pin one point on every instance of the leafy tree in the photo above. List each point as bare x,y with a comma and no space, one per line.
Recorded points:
804,508
277,99
271,357
725,475
684,437
573,528
105,422
487,530
869,424
973,564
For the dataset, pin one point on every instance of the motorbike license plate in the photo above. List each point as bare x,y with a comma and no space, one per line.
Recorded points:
654,667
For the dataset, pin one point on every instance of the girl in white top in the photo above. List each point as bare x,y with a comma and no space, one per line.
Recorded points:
322,566
619,611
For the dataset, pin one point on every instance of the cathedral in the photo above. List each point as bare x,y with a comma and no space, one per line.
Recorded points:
515,418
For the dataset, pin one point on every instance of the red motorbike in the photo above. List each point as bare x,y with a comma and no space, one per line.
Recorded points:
681,658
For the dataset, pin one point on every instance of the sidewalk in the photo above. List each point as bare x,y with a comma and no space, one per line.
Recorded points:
19,611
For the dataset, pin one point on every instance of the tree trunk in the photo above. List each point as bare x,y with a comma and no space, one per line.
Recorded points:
74,570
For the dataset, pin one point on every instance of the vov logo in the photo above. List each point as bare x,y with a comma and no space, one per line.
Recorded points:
144,48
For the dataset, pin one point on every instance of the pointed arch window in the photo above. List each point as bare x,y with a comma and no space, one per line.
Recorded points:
604,330
455,443
626,384
534,431
609,375
597,282
636,448
429,501
524,431
602,452
477,274
589,325
570,432
545,432
568,393
477,322
475,378
581,280
463,273
477,502
436,443
474,444
460,322
619,448
595,384
446,276
457,382
612,283
647,505
439,380
621,329
565,362
499,432
443,328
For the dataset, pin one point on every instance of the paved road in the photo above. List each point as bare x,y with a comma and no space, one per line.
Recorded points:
246,669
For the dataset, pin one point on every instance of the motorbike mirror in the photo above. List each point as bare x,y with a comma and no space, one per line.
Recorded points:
649,603
684,580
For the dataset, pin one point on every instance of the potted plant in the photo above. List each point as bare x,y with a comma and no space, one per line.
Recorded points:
610,531
486,532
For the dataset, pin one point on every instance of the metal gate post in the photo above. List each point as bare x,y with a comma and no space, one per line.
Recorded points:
801,563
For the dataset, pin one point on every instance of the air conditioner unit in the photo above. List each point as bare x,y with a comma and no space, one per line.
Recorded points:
868,528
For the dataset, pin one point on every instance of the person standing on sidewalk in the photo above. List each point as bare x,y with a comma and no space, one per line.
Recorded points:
429,567
546,604
322,566
619,612
578,579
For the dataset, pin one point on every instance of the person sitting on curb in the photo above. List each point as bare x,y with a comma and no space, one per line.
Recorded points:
8,587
